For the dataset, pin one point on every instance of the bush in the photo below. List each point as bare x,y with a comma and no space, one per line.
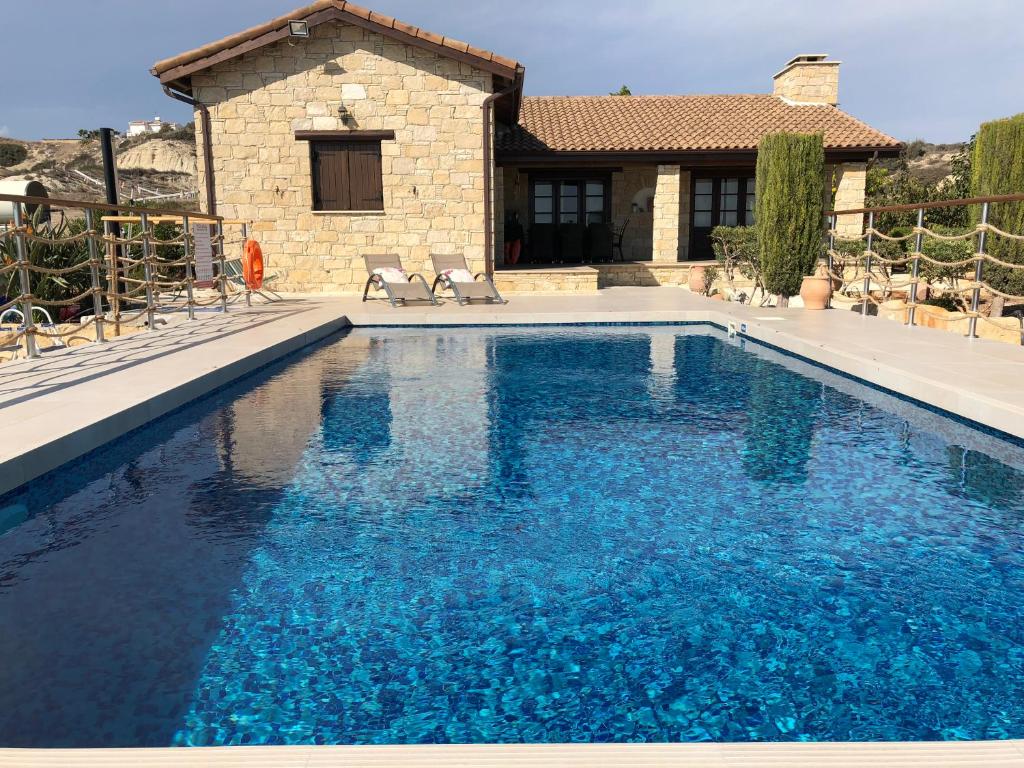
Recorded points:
736,251
12,154
998,169
947,251
789,210
948,303
51,256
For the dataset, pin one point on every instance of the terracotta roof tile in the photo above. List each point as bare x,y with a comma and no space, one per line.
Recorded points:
194,60
676,123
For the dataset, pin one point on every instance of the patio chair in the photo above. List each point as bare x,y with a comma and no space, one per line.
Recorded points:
617,238
453,274
233,272
386,274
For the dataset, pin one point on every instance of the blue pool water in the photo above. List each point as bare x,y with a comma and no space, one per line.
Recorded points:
467,535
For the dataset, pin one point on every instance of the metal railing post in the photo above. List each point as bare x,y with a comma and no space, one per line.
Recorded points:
915,270
245,239
26,283
190,267
832,223
147,269
94,275
223,267
976,293
867,265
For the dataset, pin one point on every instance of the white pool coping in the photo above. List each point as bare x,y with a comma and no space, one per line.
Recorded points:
963,754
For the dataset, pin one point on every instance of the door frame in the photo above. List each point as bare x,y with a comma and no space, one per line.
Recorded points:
716,175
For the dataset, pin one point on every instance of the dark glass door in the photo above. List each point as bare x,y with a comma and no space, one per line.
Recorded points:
726,201
568,220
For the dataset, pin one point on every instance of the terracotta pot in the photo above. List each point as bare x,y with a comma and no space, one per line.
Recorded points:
815,292
696,282
923,291
822,271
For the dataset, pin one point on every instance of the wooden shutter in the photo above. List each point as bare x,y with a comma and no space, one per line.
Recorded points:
346,176
330,176
365,178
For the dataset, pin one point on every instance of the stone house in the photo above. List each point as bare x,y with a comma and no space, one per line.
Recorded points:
339,131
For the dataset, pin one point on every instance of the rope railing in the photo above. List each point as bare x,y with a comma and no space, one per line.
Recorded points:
858,272
117,259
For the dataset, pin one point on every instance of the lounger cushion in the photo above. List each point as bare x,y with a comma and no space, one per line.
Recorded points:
392,275
459,275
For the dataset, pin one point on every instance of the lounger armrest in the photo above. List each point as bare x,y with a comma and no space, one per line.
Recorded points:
416,274
478,275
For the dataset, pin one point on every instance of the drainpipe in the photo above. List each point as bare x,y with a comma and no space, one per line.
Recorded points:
488,107
204,113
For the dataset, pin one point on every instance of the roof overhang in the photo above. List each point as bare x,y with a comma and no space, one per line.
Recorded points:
178,70
695,158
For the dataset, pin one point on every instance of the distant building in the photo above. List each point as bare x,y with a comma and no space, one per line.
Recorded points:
139,127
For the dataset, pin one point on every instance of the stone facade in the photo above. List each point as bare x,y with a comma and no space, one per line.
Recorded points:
850,181
809,82
432,171
632,185
577,279
671,225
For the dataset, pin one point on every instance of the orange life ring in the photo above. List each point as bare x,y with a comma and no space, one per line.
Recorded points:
252,265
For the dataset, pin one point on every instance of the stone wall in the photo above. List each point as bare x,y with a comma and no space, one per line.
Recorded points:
567,280
850,181
671,226
433,170
637,242
809,82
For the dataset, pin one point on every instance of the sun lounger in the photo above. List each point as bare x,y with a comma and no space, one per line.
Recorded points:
453,274
386,274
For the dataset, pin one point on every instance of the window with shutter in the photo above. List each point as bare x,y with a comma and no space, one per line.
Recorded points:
346,175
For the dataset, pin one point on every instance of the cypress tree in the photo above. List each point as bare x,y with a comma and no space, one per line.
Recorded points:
788,208
997,168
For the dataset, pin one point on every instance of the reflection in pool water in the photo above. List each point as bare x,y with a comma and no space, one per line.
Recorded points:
521,535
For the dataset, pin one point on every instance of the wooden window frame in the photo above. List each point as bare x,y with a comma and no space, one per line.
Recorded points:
314,138
556,178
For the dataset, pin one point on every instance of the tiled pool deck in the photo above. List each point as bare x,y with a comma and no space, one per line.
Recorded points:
69,402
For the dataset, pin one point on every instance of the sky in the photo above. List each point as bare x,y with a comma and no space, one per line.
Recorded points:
931,69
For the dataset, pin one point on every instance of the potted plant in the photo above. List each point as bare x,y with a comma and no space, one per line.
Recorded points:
789,209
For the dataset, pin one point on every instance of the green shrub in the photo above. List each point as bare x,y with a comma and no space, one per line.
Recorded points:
947,251
50,256
998,169
736,251
789,210
946,302
12,154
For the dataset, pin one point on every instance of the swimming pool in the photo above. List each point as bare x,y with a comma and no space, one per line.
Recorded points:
505,535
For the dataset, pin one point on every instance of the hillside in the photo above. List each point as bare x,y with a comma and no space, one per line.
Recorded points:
148,166
931,163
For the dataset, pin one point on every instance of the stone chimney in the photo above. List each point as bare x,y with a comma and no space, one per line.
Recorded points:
809,79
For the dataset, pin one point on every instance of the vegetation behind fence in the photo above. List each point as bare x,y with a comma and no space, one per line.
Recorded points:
89,277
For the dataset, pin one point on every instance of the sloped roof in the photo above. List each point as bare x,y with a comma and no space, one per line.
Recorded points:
183,65
677,124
